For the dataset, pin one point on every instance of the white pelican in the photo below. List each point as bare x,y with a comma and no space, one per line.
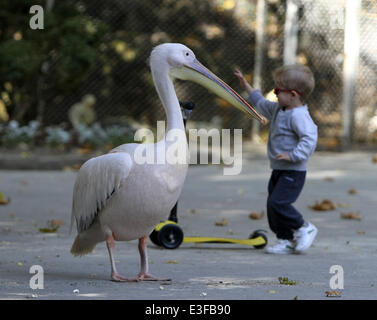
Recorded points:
115,198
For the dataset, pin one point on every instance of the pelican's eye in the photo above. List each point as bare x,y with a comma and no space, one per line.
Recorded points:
187,54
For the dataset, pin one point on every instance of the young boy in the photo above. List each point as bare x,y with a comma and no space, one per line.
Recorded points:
292,139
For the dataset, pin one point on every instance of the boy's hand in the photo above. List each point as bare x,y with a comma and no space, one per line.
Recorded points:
283,156
244,84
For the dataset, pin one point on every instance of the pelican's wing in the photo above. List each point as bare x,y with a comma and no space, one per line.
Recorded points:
98,179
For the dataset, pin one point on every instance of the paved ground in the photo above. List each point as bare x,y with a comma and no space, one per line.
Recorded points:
206,271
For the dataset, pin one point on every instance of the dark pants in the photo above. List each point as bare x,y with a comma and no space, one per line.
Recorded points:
284,188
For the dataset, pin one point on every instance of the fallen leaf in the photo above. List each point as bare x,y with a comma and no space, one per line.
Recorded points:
374,159
172,261
333,293
230,232
272,291
19,264
360,232
286,281
328,179
52,226
2,200
222,223
192,211
325,205
256,215
352,191
350,216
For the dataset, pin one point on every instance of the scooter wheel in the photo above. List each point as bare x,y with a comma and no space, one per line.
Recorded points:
154,238
170,236
259,233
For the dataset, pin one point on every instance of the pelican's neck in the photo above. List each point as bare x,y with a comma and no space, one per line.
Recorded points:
166,92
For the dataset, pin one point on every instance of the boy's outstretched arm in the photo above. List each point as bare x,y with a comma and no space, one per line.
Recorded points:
265,107
244,84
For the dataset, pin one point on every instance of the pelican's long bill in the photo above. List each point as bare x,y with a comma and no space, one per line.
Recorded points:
198,73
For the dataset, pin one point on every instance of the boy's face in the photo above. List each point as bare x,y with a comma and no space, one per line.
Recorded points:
288,98
284,98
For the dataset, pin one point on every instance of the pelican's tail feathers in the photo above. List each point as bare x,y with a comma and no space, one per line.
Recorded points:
87,240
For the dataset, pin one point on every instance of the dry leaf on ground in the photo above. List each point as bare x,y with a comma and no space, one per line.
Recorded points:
333,293
352,191
221,223
256,215
2,200
325,205
52,226
286,281
374,159
350,216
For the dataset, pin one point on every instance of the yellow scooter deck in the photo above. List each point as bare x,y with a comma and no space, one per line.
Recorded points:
258,242
248,242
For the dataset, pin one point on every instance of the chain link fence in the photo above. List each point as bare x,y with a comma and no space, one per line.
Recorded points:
222,33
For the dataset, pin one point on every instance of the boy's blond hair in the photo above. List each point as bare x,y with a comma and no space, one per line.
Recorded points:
295,77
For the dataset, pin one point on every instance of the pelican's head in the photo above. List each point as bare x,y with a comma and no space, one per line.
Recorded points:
182,64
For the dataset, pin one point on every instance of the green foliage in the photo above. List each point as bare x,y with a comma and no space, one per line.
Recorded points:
19,60
39,63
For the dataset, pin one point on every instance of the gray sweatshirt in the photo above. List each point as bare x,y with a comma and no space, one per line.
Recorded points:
291,131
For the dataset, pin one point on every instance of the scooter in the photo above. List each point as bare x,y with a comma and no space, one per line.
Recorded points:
169,234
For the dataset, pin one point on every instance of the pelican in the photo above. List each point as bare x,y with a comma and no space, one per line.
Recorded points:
117,199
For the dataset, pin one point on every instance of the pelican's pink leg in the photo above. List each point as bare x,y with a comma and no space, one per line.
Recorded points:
144,275
115,276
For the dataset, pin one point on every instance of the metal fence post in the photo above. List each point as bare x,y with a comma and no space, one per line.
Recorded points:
290,32
350,67
258,60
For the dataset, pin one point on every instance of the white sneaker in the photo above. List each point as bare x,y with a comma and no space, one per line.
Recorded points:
281,247
304,237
